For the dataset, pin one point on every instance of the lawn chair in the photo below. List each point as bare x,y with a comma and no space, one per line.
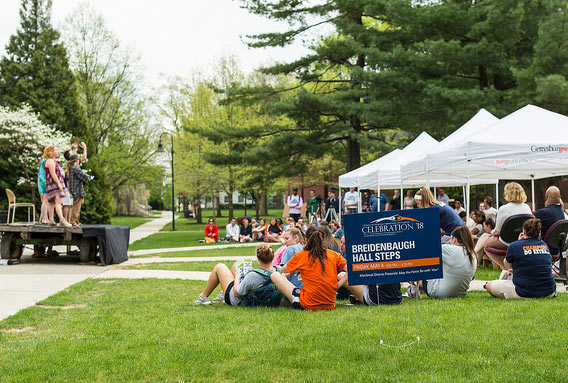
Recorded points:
12,205
512,227
555,237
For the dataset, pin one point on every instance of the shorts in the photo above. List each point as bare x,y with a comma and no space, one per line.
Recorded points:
296,216
296,299
506,289
67,200
228,294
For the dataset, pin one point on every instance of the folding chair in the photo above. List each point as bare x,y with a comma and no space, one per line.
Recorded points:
12,205
512,227
555,237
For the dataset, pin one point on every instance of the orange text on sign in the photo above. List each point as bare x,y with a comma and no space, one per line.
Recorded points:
396,264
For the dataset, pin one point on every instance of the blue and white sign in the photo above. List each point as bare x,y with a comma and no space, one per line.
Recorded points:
393,246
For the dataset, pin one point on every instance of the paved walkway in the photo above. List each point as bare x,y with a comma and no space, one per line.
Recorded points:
191,248
150,227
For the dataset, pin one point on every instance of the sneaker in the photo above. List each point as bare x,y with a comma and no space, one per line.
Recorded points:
220,297
413,291
506,275
202,301
354,301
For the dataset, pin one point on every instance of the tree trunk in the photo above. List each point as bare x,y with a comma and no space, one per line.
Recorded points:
197,204
218,202
231,190
257,194
263,203
353,153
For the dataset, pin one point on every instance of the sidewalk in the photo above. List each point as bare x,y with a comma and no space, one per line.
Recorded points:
150,228
193,248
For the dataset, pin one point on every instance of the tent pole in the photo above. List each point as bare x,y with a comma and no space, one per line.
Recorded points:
468,209
340,209
427,172
378,192
497,195
358,199
401,199
533,202
435,193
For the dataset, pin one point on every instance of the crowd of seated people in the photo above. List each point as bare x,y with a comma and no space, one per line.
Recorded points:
298,267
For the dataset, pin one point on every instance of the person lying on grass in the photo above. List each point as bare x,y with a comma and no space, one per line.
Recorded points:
234,288
459,265
318,268
529,260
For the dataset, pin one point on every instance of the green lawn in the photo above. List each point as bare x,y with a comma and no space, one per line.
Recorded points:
130,221
149,330
189,224
238,251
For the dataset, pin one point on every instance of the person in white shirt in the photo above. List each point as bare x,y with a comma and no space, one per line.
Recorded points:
295,203
490,211
351,199
458,206
233,231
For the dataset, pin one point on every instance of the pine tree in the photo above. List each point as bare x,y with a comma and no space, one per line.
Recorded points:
36,71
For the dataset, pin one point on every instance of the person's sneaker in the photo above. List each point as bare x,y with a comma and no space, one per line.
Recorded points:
506,275
220,297
413,291
354,301
202,301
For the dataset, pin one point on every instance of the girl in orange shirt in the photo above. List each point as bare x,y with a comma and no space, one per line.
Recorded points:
318,267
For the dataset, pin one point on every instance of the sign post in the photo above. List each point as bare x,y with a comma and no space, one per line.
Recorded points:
393,246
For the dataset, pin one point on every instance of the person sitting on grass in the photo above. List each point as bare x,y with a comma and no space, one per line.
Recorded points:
449,219
234,288
459,266
529,260
273,232
318,267
477,228
245,234
294,240
232,231
259,231
211,232
336,231
488,227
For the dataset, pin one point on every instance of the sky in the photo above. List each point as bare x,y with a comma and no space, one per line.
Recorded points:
174,37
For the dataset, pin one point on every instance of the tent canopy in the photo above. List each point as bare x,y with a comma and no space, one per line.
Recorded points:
529,143
352,178
416,168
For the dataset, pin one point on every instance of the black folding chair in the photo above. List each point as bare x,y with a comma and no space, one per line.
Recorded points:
556,237
512,227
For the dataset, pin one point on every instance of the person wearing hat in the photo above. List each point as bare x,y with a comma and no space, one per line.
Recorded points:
77,179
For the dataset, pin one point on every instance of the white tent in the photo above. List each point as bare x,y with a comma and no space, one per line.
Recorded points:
530,143
367,172
418,168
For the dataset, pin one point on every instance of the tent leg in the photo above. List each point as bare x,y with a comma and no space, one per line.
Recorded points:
533,202
379,198
497,195
401,198
435,193
340,209
358,200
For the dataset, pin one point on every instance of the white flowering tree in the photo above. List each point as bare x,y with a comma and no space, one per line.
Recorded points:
23,137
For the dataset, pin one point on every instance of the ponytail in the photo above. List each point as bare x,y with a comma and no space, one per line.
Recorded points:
316,247
464,238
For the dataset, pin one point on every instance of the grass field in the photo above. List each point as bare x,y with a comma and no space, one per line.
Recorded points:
149,330
130,221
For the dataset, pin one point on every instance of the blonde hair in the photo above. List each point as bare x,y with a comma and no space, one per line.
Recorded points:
48,152
514,193
427,198
296,231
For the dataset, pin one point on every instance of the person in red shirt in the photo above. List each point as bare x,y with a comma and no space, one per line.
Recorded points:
211,232
318,267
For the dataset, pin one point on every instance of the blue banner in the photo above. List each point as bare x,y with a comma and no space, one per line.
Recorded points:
393,246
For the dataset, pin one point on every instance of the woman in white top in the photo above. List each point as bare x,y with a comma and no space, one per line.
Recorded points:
459,265
409,200
516,197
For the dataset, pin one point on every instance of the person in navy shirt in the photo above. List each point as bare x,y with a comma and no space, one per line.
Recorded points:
529,260
449,219
551,212
374,201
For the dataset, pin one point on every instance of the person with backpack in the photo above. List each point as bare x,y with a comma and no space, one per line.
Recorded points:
239,289
318,267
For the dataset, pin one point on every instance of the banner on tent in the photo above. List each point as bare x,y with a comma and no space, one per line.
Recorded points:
393,246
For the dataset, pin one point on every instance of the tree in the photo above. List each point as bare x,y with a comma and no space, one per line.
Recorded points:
36,71
120,129
23,137
390,65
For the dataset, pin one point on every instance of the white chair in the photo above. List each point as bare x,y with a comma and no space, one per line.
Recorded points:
12,205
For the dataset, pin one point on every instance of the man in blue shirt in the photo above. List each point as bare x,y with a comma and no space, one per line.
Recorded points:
551,212
374,201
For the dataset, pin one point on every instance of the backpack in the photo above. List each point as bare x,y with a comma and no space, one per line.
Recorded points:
266,295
